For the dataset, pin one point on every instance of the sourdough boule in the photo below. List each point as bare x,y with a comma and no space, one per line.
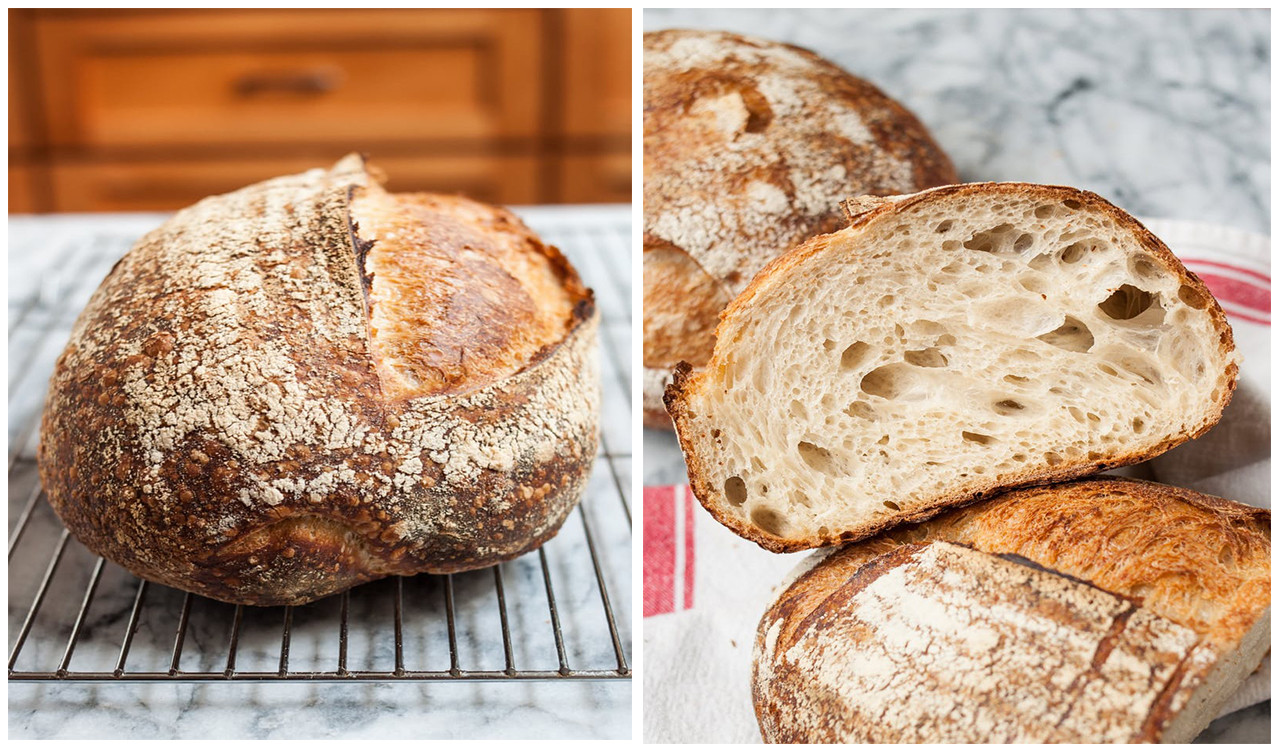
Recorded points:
310,383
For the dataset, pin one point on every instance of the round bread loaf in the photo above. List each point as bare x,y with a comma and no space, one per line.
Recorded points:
749,147
311,383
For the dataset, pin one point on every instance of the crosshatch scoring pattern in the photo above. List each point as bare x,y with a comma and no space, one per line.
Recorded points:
561,613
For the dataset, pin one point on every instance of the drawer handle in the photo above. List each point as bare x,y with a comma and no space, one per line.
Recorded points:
311,82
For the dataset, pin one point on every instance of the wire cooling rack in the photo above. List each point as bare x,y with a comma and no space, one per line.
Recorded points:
560,613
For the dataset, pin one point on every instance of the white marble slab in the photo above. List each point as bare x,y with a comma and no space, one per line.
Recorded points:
1164,112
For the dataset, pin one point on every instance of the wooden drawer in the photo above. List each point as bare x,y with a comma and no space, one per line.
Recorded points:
146,79
597,69
174,185
22,190
596,179
20,135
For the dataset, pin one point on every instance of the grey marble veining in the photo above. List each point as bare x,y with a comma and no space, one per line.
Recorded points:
1164,112
62,260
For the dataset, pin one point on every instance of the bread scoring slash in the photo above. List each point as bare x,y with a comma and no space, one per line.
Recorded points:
310,383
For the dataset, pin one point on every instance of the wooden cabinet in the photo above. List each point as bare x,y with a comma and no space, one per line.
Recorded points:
170,185
151,110
596,179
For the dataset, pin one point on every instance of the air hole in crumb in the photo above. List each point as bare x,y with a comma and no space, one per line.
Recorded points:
1076,414
1076,251
768,520
1144,268
951,245
1072,336
993,240
887,381
861,409
1044,212
715,434
1192,297
735,490
929,357
829,345
798,411
1071,203
1034,283
817,457
1018,379
854,355
824,532
1019,457
1053,459
1007,407
1023,242
892,505
1142,368
977,437
943,226
1139,425
1126,303
884,440
1108,369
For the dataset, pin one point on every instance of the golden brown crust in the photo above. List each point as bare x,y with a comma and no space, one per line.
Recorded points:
748,145
461,293
861,214
217,422
682,307
1198,561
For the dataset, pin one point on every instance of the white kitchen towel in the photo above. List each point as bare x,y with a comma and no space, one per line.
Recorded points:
705,588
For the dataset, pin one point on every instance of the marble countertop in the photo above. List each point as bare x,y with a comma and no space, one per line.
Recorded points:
54,264
1164,112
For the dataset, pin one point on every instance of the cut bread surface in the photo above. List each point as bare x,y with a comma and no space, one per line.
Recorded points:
947,344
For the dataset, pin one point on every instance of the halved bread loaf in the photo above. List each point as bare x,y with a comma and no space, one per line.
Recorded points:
945,345
1091,611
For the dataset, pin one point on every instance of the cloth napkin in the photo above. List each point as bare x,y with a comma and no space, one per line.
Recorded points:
705,588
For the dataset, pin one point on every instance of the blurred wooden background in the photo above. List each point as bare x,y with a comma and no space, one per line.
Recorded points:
132,110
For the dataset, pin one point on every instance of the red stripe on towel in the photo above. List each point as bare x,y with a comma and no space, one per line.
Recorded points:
659,550
689,502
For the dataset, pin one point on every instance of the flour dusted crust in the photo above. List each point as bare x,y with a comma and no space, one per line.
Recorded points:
1100,610
308,383
936,351
748,147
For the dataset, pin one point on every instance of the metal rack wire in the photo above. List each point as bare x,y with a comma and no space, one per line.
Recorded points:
66,603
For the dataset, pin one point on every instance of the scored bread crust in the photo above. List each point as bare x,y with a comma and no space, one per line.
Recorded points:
226,420
1198,561
695,433
748,144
